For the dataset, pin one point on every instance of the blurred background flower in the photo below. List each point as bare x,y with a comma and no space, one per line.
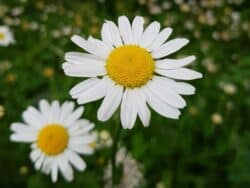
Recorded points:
131,175
2,111
102,139
6,37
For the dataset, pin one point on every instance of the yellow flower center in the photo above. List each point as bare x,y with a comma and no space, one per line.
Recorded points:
130,66
53,139
2,36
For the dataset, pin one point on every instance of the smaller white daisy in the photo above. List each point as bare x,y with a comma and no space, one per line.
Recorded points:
6,36
58,136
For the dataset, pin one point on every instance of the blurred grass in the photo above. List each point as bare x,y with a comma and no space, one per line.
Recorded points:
207,147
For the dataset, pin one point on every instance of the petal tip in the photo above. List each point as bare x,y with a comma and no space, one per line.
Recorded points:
74,37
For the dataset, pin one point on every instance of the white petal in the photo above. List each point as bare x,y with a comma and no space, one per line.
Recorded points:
174,63
93,46
160,39
128,109
44,107
94,93
82,149
84,70
74,116
106,35
54,171
79,41
65,168
33,146
137,29
169,47
46,167
82,58
166,94
33,117
22,128
83,86
160,106
66,109
142,109
76,160
149,34
180,73
125,29
184,88
39,162
80,127
35,154
110,103
24,137
114,32
55,111
97,47
84,139
180,87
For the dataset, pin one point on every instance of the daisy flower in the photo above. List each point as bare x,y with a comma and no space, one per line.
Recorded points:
6,37
57,136
129,68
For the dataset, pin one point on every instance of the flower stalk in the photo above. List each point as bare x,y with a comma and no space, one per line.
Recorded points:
116,137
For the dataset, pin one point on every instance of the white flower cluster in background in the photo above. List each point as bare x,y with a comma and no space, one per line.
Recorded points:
132,176
103,139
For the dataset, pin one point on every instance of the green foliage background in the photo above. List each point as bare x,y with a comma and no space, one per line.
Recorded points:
197,151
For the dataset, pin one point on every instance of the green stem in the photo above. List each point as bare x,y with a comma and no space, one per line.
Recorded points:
116,137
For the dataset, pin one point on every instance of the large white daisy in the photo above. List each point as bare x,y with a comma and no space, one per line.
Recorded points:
6,36
58,136
129,67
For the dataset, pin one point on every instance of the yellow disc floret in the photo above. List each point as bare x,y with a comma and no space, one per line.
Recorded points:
53,139
2,36
130,66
